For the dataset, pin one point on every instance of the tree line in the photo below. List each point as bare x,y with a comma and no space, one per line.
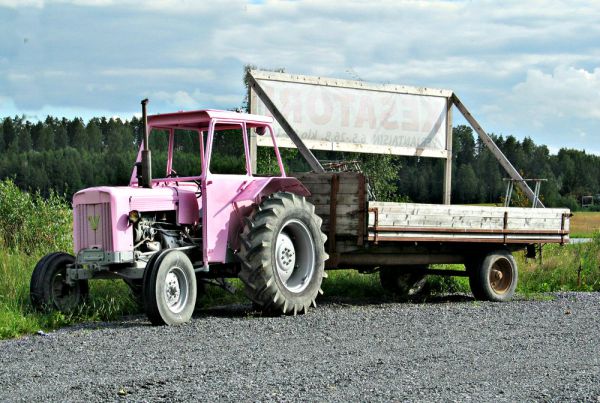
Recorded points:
65,155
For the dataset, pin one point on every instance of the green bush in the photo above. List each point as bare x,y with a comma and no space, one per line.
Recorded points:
31,223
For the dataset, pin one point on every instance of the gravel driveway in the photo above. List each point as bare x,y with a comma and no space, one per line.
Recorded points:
453,349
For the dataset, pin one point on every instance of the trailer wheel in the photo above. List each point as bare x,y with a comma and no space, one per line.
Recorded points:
495,277
402,283
49,289
472,268
169,288
283,255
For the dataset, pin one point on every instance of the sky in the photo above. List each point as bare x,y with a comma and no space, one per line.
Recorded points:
523,68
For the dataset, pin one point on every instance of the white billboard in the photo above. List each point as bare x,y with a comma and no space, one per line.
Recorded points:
341,115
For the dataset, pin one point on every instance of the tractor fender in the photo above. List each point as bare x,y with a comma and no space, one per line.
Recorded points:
263,187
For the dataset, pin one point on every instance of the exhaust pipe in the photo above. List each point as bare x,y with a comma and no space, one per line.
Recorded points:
146,167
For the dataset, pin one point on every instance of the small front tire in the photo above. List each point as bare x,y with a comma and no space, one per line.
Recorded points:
170,290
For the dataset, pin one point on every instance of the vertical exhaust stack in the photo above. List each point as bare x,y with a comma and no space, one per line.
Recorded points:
146,156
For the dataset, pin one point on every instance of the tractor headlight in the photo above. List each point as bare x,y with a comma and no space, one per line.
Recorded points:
134,216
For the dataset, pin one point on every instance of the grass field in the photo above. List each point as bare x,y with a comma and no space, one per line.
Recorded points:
585,223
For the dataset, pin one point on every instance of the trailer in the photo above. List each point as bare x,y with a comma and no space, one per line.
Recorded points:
402,240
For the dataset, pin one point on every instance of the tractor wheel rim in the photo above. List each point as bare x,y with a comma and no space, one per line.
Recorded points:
176,289
501,276
63,295
295,256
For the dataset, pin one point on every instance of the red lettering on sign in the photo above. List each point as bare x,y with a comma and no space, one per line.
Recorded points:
345,101
291,105
410,116
365,113
389,105
322,114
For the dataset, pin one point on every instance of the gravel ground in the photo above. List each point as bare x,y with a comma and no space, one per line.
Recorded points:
454,349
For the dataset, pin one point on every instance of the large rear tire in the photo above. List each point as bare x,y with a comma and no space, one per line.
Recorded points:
49,290
169,288
495,277
283,255
402,282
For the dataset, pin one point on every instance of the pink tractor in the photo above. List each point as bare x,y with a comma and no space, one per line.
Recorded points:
166,237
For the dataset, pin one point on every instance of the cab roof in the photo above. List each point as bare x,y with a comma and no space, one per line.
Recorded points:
200,119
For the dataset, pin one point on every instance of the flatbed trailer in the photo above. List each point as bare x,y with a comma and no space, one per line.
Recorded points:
402,238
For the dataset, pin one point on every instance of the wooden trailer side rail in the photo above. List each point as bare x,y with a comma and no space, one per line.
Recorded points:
411,222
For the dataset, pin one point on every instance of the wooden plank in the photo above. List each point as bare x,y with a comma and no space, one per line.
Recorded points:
466,215
341,229
482,238
492,212
324,189
343,199
362,204
465,222
326,177
335,186
342,222
342,209
444,209
361,85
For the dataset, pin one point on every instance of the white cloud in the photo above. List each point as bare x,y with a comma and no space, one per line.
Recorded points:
160,73
506,61
567,91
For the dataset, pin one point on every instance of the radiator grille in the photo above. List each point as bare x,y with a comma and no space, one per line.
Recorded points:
90,216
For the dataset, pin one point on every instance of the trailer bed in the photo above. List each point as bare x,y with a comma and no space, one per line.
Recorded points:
364,232
457,223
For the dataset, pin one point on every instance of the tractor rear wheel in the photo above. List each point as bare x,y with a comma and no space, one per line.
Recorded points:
49,289
282,254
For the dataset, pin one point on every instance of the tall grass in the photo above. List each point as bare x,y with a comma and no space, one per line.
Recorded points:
573,267
30,227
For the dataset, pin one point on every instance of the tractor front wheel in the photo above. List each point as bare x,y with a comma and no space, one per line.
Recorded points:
49,289
169,288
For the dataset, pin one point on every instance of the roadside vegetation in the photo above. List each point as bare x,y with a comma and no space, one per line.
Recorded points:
32,226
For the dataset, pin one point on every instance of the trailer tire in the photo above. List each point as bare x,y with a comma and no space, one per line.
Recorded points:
495,277
404,284
472,269
169,288
282,255
48,288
